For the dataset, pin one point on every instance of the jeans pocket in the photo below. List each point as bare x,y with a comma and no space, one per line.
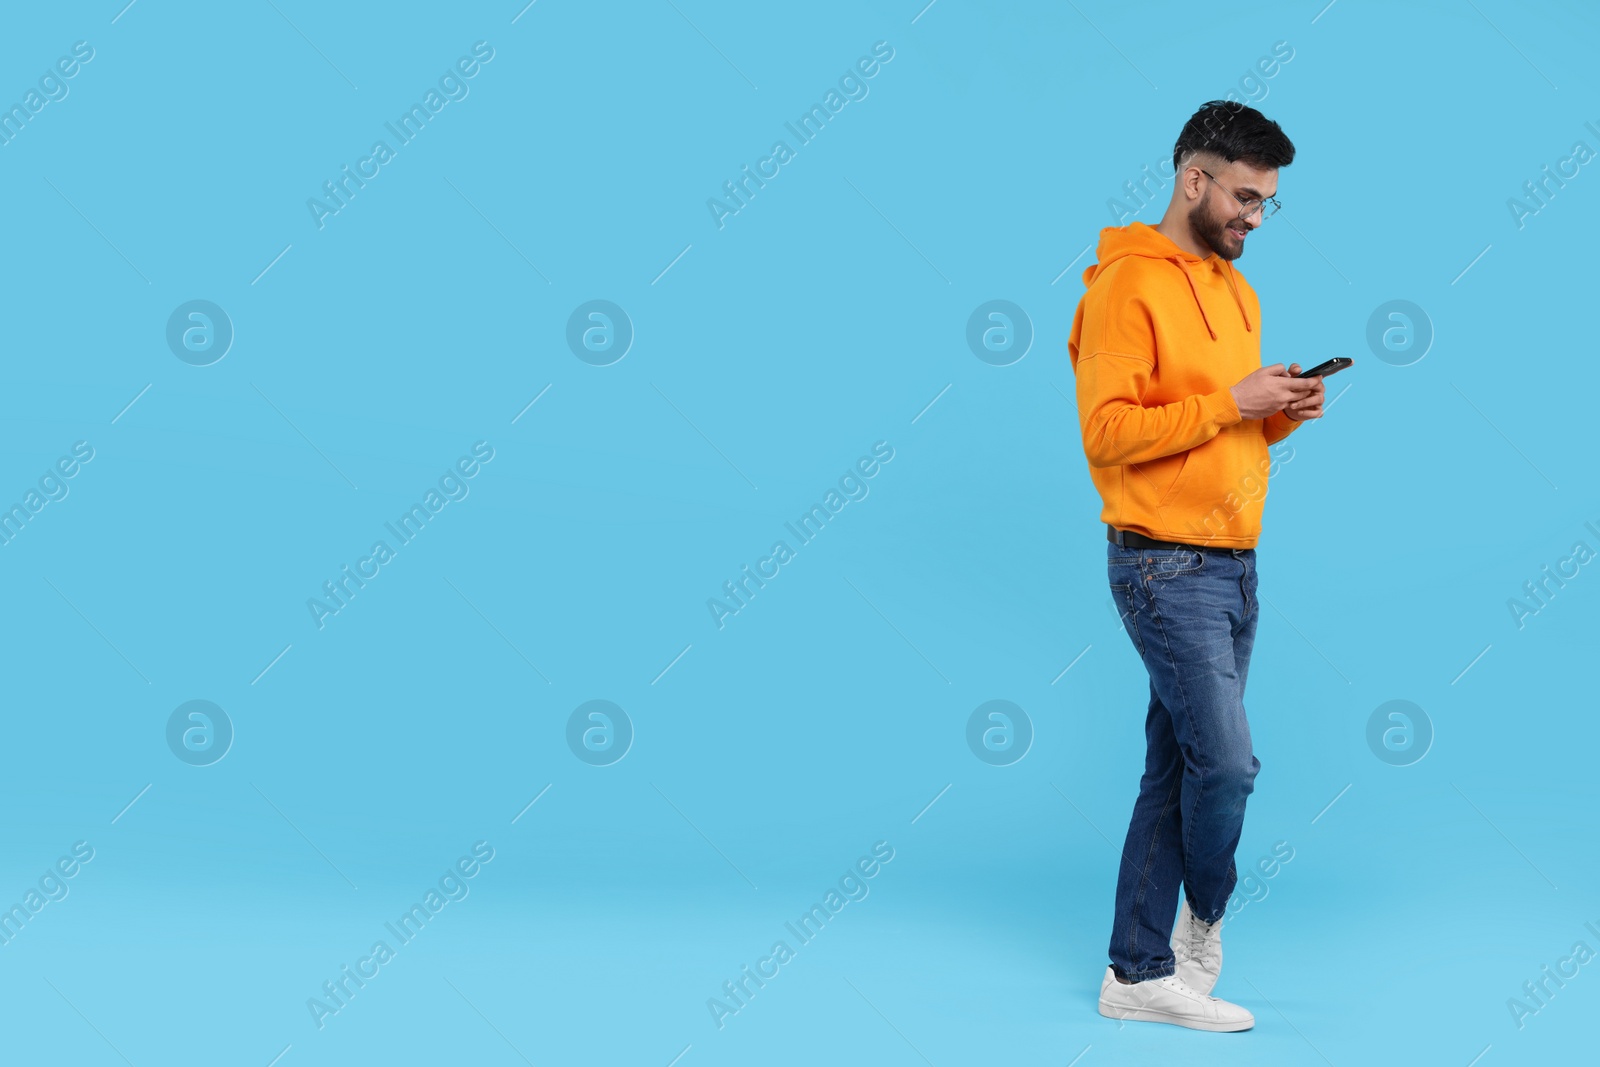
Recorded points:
1122,594
1170,564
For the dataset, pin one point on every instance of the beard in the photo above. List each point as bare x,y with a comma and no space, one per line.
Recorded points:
1213,232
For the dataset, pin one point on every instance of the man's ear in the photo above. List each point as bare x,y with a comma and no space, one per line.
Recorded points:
1190,180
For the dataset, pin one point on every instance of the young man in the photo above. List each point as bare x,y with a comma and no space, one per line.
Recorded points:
1177,413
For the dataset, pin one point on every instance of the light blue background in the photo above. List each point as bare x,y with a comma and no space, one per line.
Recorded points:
773,353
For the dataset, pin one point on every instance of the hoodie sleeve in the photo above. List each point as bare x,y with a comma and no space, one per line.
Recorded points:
1118,428
1113,364
1277,426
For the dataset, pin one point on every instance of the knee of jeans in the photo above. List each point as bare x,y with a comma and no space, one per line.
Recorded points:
1238,776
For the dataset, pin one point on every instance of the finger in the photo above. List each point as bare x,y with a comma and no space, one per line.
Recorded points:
1277,370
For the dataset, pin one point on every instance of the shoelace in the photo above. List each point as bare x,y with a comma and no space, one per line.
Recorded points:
1196,936
1184,988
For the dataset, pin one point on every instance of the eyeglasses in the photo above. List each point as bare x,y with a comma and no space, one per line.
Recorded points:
1247,206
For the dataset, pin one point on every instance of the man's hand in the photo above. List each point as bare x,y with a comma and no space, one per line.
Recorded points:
1272,389
1309,406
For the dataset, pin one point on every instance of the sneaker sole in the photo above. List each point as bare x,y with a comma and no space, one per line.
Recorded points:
1150,1015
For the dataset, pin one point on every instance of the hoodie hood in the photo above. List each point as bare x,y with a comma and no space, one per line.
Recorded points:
1138,239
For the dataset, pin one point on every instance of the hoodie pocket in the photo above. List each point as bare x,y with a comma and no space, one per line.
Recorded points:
1222,488
1185,467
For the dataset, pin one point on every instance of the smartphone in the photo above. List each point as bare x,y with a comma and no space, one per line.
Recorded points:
1333,366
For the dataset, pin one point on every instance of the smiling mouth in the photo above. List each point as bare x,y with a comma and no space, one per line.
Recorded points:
1237,233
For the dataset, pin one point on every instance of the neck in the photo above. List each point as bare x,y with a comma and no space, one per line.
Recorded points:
1175,228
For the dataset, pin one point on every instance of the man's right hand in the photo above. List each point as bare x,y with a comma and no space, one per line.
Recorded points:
1268,391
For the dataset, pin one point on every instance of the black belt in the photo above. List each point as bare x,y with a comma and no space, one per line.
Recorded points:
1129,539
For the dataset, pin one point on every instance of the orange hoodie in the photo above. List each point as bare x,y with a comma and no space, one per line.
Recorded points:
1157,342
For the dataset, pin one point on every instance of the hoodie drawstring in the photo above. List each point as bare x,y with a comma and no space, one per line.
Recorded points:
1242,312
1196,293
1184,266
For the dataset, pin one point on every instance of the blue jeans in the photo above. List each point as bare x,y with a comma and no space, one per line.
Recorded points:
1192,616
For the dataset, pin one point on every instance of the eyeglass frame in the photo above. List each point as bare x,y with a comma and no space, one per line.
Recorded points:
1260,204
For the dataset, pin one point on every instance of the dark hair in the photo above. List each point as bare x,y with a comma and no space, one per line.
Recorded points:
1234,130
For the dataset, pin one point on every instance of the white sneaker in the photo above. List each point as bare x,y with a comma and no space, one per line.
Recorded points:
1170,1000
1198,947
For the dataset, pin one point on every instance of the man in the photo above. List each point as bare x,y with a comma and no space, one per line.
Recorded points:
1177,413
